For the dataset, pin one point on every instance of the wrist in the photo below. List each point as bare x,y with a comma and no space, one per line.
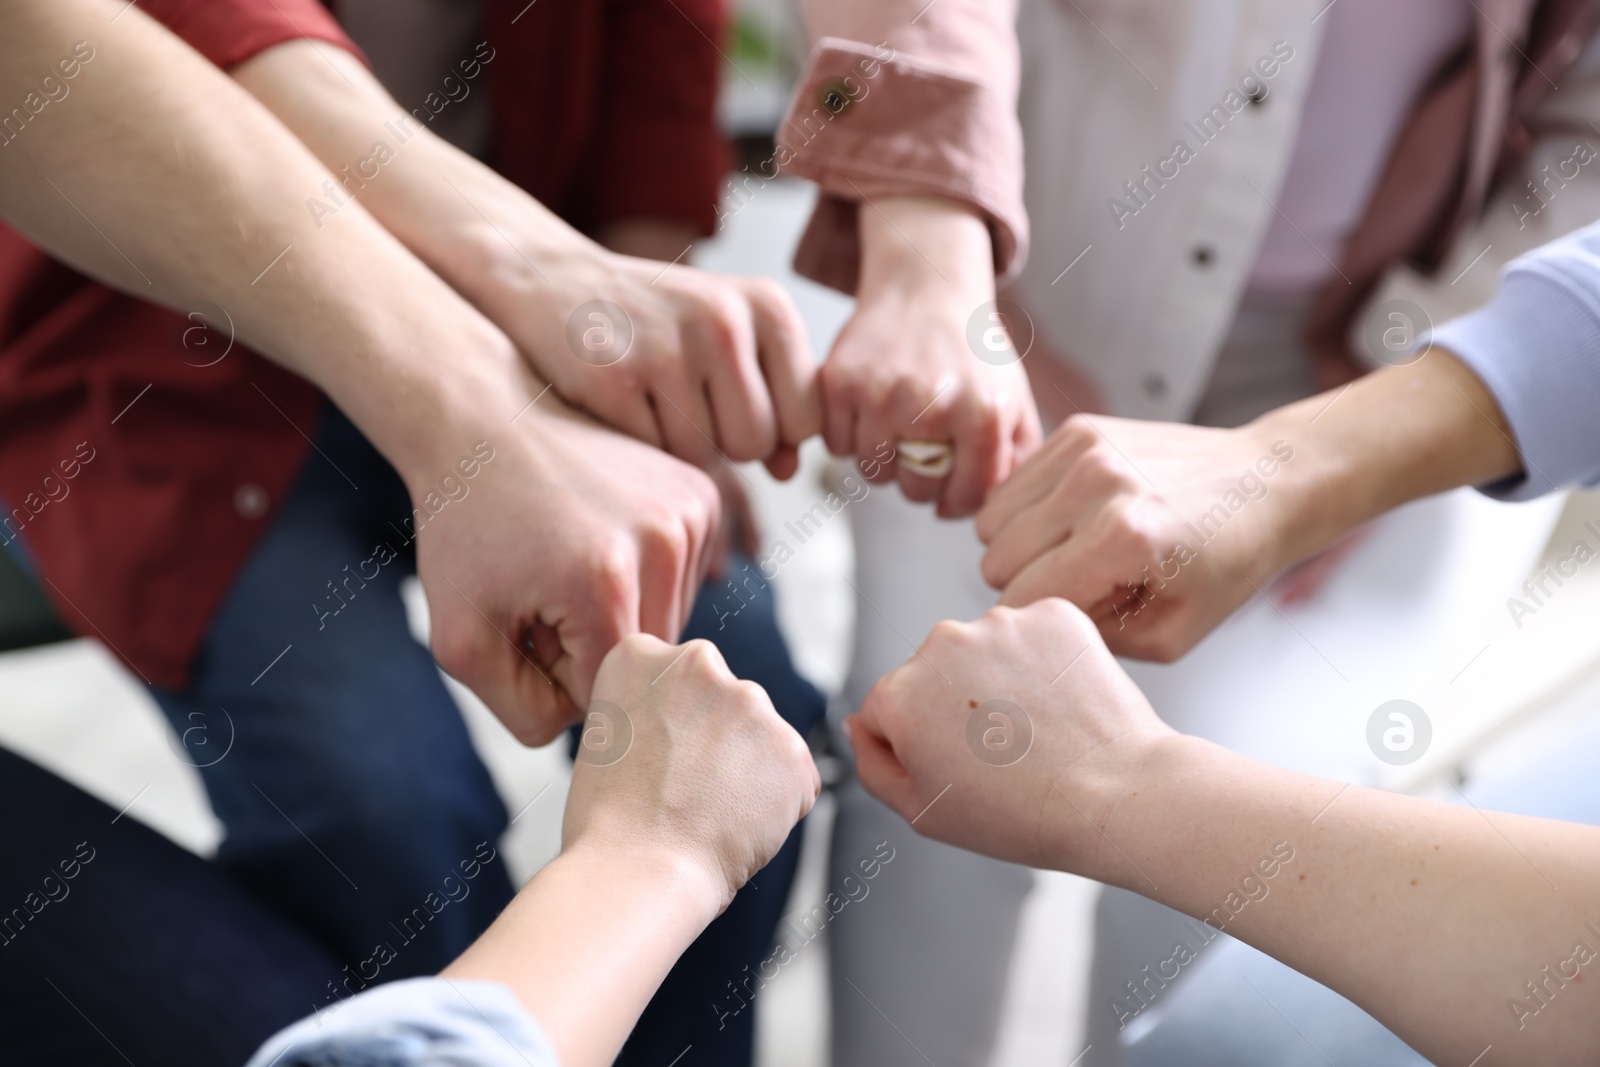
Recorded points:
1110,788
917,242
436,397
663,879
497,243
1319,492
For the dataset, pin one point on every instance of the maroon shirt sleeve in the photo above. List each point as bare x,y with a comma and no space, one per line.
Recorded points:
606,109
659,153
139,478
228,32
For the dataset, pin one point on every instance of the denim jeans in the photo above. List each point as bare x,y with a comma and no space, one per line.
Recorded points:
344,776
117,946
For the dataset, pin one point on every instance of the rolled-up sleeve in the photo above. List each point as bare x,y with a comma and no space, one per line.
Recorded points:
228,32
1536,347
906,99
421,1022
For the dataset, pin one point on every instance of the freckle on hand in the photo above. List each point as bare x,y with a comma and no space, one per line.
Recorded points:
972,703
1413,881
1302,877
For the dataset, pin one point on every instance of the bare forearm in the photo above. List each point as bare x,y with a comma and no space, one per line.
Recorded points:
212,207
458,215
1432,917
1391,437
909,241
585,944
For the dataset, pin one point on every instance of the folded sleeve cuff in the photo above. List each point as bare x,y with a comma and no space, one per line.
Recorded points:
228,32
420,1022
868,123
1536,347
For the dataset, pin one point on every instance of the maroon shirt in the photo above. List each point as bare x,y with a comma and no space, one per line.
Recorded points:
139,469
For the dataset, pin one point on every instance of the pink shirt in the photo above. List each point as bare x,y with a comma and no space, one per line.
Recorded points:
906,97
1377,56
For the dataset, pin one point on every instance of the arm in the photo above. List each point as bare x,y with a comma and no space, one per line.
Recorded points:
1424,914
655,842
1160,530
714,364
918,154
164,179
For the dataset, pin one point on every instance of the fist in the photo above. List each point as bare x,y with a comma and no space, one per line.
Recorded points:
679,756
996,730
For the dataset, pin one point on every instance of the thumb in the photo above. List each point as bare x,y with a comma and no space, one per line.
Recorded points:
880,770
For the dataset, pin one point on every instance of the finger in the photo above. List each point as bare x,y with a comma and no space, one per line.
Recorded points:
633,414
603,612
1077,570
685,420
983,451
783,463
879,770
1030,535
787,362
1027,434
723,349
1033,479
872,432
499,667
704,526
841,409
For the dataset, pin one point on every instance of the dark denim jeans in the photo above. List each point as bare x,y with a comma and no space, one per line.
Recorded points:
345,778
117,946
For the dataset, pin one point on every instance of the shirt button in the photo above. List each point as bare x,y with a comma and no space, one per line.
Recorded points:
836,97
1203,255
1155,386
250,500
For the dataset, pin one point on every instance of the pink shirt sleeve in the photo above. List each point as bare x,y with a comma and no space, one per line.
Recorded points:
907,98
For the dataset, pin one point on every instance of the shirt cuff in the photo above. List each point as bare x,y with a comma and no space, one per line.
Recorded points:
228,32
1536,347
868,123
420,1022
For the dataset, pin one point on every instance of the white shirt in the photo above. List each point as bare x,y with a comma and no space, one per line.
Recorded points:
1110,87
1377,57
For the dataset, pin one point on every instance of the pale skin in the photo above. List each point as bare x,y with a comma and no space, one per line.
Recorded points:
902,368
719,367
654,845
1429,916
572,537
1111,514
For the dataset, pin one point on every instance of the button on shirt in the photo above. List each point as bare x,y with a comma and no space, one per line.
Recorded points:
1158,158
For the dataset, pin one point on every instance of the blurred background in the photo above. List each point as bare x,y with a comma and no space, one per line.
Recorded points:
1417,610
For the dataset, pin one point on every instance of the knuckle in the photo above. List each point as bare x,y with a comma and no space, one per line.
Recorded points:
701,655
612,572
664,538
637,646
949,631
1077,430
453,649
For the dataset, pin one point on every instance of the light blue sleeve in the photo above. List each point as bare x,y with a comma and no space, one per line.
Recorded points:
1536,347
420,1022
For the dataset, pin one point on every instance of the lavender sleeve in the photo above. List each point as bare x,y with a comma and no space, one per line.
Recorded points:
421,1022
1536,347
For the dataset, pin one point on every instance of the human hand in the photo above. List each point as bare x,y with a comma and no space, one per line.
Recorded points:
991,734
706,366
902,368
714,362
569,538
1159,531
680,758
